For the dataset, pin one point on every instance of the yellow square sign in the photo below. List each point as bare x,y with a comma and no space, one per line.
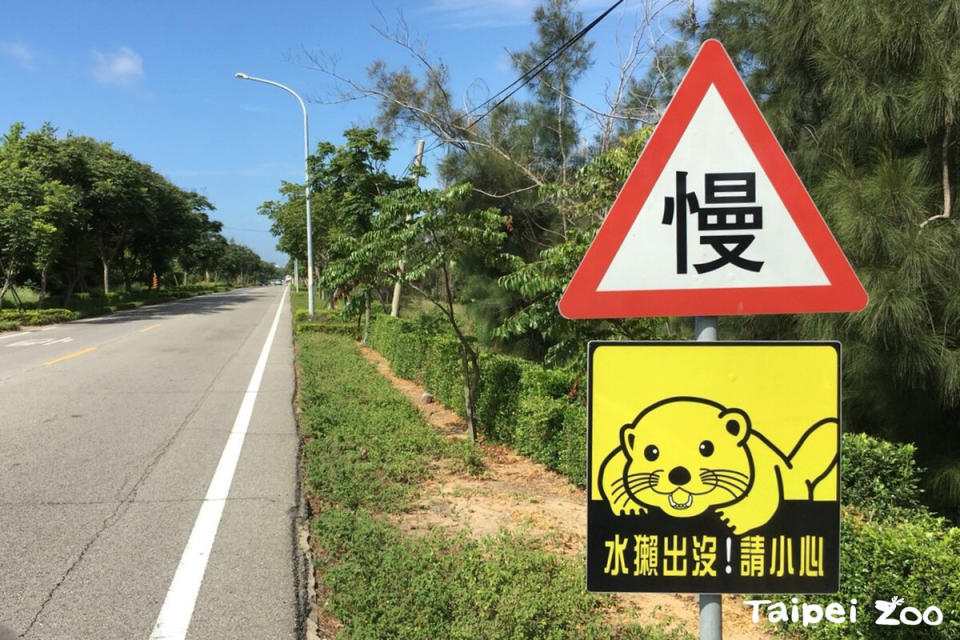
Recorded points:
713,467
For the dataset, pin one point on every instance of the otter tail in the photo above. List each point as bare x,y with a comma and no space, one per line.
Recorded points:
816,457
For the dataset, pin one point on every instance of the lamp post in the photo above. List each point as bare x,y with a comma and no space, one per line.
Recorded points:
306,173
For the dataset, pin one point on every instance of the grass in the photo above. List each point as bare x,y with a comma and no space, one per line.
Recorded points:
366,450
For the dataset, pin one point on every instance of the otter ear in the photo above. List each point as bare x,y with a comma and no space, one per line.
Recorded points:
627,437
736,423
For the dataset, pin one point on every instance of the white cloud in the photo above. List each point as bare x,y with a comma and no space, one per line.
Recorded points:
123,67
19,52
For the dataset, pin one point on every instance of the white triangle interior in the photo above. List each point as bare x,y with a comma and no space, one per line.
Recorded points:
646,260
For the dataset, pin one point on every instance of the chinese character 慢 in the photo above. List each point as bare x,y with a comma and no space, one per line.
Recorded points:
720,189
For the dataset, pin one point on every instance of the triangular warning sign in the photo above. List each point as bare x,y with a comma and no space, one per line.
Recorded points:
713,219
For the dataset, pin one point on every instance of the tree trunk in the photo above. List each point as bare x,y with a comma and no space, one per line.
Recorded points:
366,316
106,277
43,285
125,270
469,369
395,302
70,287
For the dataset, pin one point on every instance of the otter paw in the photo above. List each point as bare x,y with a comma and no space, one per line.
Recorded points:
739,522
630,510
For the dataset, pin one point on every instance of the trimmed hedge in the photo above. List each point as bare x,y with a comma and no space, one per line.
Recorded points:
325,321
35,317
366,448
891,546
519,402
880,478
402,342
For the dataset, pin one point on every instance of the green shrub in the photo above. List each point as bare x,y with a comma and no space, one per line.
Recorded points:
384,585
498,396
553,432
320,315
348,329
880,478
915,559
573,454
403,342
34,317
9,325
552,383
368,444
442,374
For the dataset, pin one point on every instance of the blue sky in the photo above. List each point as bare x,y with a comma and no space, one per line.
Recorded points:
156,79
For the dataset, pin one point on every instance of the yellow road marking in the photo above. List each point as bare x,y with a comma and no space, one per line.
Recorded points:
151,327
72,355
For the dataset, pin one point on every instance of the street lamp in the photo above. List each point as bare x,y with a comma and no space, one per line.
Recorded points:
306,172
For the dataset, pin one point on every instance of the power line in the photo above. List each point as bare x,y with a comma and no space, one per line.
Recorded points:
538,68
526,77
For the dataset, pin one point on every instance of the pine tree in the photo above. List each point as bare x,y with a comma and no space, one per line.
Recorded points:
864,94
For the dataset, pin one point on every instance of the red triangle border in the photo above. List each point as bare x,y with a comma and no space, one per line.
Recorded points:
712,66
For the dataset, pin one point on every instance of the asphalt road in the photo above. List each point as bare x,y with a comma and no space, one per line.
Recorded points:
111,430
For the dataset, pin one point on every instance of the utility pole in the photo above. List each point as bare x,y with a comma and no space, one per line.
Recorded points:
395,306
296,275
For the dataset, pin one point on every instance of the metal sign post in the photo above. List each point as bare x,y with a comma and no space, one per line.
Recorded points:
711,604
712,468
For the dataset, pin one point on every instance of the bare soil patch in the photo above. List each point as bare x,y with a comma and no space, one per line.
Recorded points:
517,494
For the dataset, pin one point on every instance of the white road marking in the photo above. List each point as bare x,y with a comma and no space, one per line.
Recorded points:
39,341
177,609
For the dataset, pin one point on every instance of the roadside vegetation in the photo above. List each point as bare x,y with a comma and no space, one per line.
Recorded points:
366,449
81,222
890,542
861,95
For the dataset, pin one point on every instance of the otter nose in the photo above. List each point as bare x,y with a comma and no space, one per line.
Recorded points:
679,475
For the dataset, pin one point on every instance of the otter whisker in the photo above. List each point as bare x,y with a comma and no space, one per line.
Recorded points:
632,477
724,474
711,475
735,491
731,487
733,472
632,488
730,483
737,482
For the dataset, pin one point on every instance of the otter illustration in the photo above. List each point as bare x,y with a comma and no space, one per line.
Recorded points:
685,455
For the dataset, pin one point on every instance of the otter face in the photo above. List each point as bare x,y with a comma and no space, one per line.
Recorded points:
685,455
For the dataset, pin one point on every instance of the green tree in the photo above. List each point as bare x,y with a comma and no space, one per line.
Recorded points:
864,95
541,282
432,231
348,181
31,205
557,133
